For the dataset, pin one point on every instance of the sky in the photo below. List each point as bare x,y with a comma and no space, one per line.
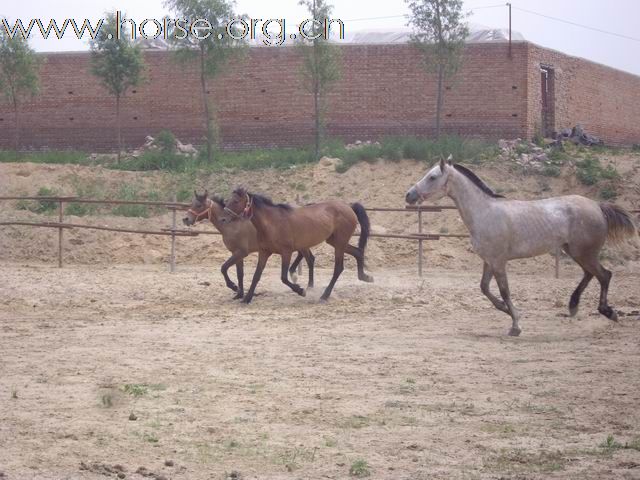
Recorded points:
617,16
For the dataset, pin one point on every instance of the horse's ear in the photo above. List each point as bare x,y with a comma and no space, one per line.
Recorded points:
449,158
206,193
443,165
195,194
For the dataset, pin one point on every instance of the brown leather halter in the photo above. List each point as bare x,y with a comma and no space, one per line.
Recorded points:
246,213
207,211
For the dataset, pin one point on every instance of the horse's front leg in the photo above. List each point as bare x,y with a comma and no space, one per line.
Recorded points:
225,269
487,275
503,285
263,256
240,272
284,276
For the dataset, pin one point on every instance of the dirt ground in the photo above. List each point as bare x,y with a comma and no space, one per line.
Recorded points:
114,368
403,378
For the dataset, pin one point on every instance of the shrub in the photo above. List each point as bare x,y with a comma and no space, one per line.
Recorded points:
44,206
551,171
608,192
589,171
165,141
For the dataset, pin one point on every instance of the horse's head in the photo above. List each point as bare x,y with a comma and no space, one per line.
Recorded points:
200,209
240,205
432,186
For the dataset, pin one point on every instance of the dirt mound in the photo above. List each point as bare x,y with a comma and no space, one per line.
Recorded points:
376,184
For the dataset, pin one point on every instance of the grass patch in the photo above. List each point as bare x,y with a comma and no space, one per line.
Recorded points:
130,192
247,160
611,444
608,192
518,460
356,421
44,206
551,171
416,148
157,160
55,157
590,171
360,469
135,389
151,438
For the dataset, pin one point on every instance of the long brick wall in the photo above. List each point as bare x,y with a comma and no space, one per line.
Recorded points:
260,101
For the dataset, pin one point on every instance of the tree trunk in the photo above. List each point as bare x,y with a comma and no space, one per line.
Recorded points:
439,99
207,114
17,127
118,129
317,100
318,120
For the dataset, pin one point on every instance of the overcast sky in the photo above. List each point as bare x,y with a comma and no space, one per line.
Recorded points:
618,16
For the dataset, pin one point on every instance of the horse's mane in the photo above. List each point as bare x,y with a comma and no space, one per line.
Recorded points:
476,181
218,200
261,200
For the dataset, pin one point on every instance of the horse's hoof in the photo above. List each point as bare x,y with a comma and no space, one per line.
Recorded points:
367,278
609,312
514,332
239,296
246,300
301,292
573,311
324,299
233,287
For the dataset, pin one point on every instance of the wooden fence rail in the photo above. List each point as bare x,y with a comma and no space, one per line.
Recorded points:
174,232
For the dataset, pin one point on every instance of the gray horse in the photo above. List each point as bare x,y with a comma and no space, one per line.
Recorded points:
502,230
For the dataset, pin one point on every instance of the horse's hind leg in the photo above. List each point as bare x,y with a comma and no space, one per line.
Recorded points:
294,266
286,260
593,267
359,256
337,270
311,261
503,285
575,297
487,275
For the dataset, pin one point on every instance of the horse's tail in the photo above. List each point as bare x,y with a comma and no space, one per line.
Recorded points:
620,224
365,225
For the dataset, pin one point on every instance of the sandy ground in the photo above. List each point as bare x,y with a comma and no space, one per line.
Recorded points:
414,377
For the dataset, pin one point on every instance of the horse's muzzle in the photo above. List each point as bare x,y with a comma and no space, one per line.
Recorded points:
186,221
412,197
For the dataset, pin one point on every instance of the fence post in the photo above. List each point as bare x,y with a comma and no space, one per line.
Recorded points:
172,267
60,216
420,243
557,262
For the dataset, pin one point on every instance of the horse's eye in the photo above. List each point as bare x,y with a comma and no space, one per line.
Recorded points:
433,177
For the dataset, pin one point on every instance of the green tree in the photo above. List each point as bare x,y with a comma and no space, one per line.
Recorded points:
117,61
321,64
19,75
212,42
439,34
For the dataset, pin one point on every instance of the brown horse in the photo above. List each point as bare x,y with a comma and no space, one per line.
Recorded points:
283,229
240,238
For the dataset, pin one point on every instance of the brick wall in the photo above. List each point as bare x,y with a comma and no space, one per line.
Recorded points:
604,100
260,101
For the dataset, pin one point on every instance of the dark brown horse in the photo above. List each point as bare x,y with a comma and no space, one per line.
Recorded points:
239,237
283,229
